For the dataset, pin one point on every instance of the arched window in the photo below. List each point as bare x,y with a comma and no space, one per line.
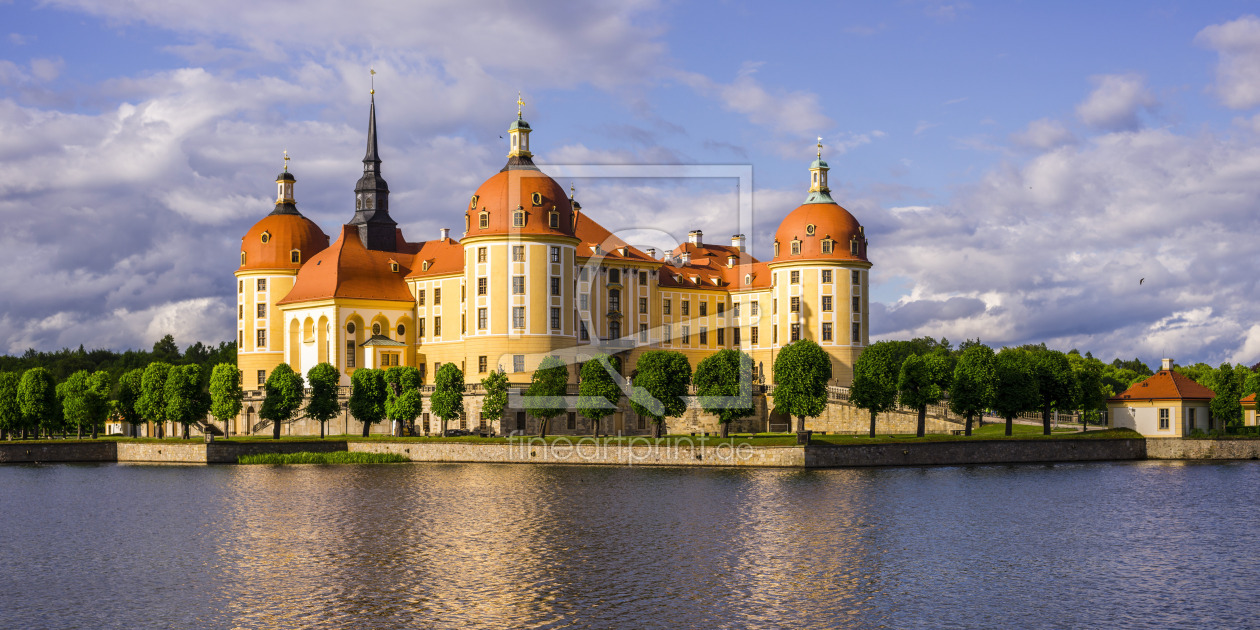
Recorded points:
295,256
242,258
776,248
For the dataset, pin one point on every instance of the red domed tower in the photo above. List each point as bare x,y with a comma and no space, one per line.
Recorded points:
272,252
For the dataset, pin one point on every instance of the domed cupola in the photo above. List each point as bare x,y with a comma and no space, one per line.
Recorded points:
283,239
819,229
520,198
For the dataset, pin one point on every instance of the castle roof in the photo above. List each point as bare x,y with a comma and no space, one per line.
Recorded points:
1165,385
347,269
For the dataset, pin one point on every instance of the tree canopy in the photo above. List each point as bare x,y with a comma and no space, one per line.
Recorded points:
152,402
37,398
403,402
494,396
724,386
447,401
1015,385
973,388
226,393
922,382
285,390
545,397
322,405
10,408
660,382
875,376
598,392
367,397
1056,384
801,372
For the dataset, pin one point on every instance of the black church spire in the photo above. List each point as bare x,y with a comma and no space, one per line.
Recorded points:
371,197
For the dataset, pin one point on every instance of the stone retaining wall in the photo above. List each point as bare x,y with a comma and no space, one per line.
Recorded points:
25,452
590,452
974,452
1178,448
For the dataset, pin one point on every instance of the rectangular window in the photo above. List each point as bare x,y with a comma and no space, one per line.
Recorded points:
614,300
483,221
735,337
262,377
437,298
826,275
584,302
420,298
482,318
555,318
796,304
753,308
856,276
665,308
643,333
686,308
518,219
240,341
554,219
349,354
481,286
721,309
826,305
482,364
463,293
583,274
796,332
572,421
481,254
555,286
857,332
262,284
774,334
518,285
240,286
686,334
614,276
421,368
857,304
704,309
583,334
1163,419
752,335
642,277
518,317
240,311
796,247
437,367
721,340
643,305
796,276
774,306
261,340
437,326
1190,418
420,329
518,253
826,331
555,254
668,336
704,336
518,363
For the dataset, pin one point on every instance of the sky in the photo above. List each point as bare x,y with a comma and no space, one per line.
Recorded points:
1082,174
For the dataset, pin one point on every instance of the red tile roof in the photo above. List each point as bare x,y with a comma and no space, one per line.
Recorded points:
347,269
1166,385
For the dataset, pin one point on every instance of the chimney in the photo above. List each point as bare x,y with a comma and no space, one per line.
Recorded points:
1166,364
445,233
738,241
695,237
651,252
685,258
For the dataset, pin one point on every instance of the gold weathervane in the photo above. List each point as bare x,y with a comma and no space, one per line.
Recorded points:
519,104
571,190
820,147
286,160
372,72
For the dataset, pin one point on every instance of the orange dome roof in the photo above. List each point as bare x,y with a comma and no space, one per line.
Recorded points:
814,223
528,189
283,233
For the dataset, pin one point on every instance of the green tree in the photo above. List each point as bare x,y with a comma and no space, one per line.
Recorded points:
130,389
403,401
801,373
10,408
660,382
165,350
1056,384
875,377
183,387
226,393
285,390
85,402
322,405
447,401
367,397
495,397
973,388
152,402
922,382
545,397
1225,407
37,398
598,392
1088,372
724,386
1015,385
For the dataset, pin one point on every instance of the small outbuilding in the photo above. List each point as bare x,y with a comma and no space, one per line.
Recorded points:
1249,410
1167,404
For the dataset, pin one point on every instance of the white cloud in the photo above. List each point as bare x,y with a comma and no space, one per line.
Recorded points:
1043,133
796,113
1238,71
1115,102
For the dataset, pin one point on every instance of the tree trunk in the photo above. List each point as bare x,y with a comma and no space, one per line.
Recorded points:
94,434
366,427
24,433
186,431
921,429
80,429
321,428
656,428
800,423
726,429
873,414
1010,424
542,427
1083,422
1045,420
967,430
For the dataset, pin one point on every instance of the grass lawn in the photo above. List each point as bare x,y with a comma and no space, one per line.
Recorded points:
337,457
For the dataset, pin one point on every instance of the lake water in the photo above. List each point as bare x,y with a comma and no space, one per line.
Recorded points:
1123,545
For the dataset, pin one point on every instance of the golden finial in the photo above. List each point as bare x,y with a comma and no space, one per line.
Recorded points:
372,73
286,160
571,190
820,147
519,104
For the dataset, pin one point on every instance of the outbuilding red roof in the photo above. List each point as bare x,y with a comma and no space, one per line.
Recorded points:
1166,385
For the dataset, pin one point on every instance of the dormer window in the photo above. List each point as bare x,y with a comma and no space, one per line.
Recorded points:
809,230
853,246
295,256
796,247
536,198
266,236
242,259
518,218
776,248
748,278
393,266
827,245
554,219
599,251
424,266
483,220
472,205
622,251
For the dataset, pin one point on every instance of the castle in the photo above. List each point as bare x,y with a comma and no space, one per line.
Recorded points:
533,275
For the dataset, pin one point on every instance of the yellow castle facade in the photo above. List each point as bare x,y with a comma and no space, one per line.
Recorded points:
534,274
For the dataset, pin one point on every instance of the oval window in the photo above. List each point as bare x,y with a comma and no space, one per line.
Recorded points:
473,203
537,199
402,330
350,328
376,329
809,230
266,236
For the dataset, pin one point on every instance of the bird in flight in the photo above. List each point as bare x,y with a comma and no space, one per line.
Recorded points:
1141,281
